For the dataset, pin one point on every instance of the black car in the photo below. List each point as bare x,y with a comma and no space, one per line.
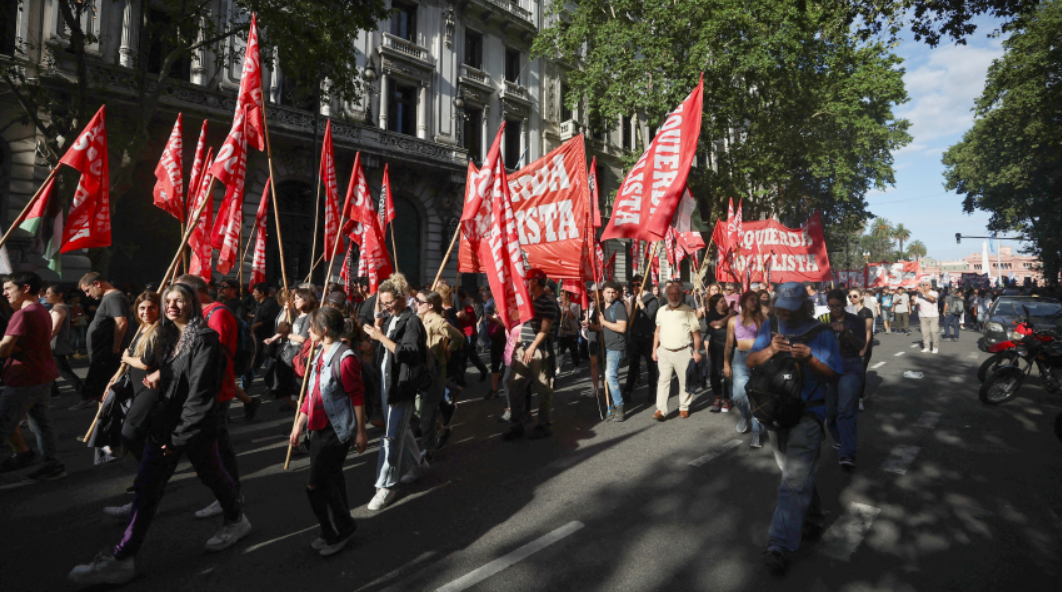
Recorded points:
1008,311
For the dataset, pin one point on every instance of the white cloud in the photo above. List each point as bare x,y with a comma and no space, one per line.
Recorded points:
942,90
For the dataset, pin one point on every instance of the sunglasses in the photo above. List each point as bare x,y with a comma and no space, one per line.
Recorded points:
853,297
419,301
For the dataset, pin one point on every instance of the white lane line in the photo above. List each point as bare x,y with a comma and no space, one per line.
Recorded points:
974,355
845,535
878,365
472,578
898,354
929,419
914,345
254,548
715,453
900,458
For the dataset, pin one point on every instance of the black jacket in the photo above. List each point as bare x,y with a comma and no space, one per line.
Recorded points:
645,318
190,385
409,360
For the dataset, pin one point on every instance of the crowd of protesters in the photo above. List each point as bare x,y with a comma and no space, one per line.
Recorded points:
164,370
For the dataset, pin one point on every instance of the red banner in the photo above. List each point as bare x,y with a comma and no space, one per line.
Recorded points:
249,98
357,196
651,191
199,241
793,255
89,222
199,165
550,204
902,274
169,188
258,267
387,205
328,178
489,222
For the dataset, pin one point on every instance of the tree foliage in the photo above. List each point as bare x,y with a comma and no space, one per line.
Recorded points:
1010,162
797,111
930,20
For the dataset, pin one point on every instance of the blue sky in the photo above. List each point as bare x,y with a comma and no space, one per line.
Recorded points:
942,84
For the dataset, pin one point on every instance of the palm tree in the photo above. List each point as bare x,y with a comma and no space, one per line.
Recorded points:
917,249
901,234
881,233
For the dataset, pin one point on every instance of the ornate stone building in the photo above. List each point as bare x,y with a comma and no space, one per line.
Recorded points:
442,77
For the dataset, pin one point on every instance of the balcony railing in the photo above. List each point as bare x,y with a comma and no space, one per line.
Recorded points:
407,48
513,89
568,130
512,10
475,75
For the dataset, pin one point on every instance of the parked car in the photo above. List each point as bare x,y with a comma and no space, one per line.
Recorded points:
1008,311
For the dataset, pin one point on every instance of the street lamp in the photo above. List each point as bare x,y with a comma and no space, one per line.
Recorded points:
866,258
369,74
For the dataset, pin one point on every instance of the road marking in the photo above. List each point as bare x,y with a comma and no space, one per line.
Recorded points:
914,345
898,354
717,452
845,535
929,419
878,365
900,458
254,548
267,438
472,578
957,379
974,355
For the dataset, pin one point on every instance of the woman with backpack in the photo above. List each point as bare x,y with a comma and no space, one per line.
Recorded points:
333,412
741,333
842,397
284,385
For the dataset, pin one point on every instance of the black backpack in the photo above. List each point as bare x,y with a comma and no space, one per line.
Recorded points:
774,387
245,343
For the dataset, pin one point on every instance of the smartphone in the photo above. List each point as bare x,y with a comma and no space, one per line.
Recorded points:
381,315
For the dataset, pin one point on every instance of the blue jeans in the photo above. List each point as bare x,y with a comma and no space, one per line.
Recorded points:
842,406
951,323
612,362
796,451
398,444
740,371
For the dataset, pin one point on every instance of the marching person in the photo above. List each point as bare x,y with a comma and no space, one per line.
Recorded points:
28,376
186,423
531,363
901,307
741,333
842,401
568,331
333,412
640,344
929,317
612,319
717,317
402,352
290,338
798,513
108,336
62,347
444,340
677,328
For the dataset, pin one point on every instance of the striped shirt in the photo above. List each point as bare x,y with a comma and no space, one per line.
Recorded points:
546,308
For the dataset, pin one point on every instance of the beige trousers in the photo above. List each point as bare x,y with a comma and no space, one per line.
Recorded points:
669,362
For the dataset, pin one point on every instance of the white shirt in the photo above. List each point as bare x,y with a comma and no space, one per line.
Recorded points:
927,309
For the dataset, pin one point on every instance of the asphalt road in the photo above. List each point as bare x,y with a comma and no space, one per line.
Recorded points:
948,495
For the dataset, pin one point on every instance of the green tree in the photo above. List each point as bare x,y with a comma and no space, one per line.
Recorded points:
312,37
917,249
797,112
930,20
1010,162
901,235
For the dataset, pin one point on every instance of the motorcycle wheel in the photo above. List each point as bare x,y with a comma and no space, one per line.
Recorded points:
1002,386
995,362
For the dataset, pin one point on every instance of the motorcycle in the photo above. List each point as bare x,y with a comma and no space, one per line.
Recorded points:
1003,353
1041,349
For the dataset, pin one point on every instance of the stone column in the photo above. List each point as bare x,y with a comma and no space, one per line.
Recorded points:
126,51
326,106
422,112
485,139
384,79
274,78
634,133
525,148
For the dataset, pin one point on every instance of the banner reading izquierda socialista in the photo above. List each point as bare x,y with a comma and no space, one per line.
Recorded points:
789,254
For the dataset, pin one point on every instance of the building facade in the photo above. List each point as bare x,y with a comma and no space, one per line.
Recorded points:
442,76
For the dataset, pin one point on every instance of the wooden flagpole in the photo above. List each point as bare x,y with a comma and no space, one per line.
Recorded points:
446,258
29,204
641,303
394,248
276,211
302,394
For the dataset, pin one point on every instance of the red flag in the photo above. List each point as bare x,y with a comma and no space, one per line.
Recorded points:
650,193
199,241
595,208
169,189
344,274
599,268
249,99
489,225
610,268
357,196
374,261
654,271
198,166
261,216
387,206
89,222
230,168
328,175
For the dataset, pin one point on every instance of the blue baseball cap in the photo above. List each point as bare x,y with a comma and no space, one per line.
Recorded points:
791,296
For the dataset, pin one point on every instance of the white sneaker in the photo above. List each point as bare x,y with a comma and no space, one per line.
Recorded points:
382,499
210,511
104,569
119,511
229,534
318,544
925,350
936,351
414,473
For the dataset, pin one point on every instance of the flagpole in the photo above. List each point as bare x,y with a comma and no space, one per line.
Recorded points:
601,359
25,210
394,248
641,288
276,211
446,258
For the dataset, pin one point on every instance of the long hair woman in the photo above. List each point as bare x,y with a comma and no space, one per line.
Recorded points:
444,340
334,414
841,406
741,334
185,423
717,315
856,301
285,386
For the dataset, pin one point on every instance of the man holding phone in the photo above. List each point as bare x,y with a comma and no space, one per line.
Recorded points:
929,317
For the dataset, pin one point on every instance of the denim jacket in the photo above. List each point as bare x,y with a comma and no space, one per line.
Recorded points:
337,404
